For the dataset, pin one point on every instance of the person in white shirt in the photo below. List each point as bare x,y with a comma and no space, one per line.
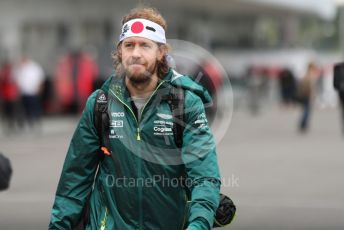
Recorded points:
29,77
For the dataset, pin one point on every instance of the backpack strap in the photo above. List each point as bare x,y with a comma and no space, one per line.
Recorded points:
102,124
101,121
176,102
100,117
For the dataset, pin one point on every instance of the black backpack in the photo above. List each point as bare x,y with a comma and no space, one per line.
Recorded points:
5,172
226,210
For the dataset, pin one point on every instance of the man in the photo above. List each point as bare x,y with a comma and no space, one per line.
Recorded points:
144,191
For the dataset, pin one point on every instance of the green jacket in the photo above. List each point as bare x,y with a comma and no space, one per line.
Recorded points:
149,195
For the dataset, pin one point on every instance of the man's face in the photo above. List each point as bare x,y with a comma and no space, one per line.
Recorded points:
139,58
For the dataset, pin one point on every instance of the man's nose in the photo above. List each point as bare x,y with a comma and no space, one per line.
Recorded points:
136,52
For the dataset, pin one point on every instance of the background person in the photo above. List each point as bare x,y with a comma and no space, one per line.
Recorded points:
306,93
29,78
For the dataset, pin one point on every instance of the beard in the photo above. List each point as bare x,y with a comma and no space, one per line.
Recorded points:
142,77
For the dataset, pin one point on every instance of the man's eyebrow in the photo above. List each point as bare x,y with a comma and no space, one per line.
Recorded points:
145,43
137,42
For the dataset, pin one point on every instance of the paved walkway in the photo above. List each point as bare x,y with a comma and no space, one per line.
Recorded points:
278,178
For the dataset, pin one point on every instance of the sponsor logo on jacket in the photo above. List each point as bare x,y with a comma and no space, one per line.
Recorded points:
117,123
114,135
117,114
164,116
162,128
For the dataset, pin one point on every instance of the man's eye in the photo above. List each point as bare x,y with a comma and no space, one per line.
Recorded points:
128,45
146,46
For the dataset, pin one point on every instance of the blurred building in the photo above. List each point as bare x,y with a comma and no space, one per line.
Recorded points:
45,29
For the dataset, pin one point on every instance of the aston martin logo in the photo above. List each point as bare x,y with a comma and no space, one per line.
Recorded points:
164,116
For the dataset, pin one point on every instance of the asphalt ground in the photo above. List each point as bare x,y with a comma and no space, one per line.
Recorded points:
278,178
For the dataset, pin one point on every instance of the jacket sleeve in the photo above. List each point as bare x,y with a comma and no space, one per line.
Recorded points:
78,172
199,157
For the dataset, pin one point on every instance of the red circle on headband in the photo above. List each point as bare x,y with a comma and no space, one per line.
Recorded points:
137,27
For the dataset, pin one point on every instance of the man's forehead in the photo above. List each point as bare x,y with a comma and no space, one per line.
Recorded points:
138,40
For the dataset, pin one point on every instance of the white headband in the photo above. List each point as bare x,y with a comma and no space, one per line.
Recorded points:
143,28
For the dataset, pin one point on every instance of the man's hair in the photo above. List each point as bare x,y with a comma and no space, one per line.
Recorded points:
154,16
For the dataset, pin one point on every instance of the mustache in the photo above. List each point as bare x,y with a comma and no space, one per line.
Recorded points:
136,62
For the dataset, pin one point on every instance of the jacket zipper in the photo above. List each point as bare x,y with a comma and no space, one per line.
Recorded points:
138,136
103,222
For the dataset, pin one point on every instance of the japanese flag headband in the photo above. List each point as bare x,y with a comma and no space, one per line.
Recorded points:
140,27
